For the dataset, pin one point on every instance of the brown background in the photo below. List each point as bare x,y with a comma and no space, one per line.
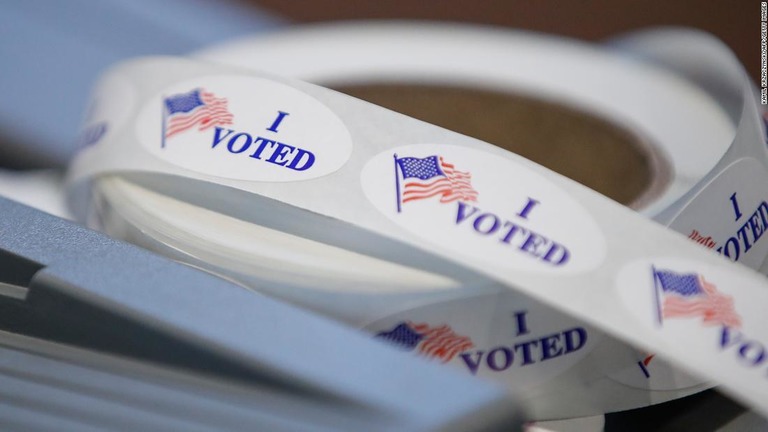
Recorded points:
737,22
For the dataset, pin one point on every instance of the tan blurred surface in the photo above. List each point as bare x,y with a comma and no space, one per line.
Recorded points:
594,152
736,22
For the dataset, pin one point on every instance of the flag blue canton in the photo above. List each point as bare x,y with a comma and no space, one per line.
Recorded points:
184,102
686,285
402,335
421,168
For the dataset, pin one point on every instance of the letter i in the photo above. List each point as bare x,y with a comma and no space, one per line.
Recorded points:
522,323
528,207
735,206
275,124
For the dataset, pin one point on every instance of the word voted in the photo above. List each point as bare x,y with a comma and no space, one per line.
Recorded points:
91,134
261,148
748,234
751,353
525,352
513,234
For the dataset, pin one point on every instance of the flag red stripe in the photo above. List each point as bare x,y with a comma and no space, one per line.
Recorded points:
189,120
175,127
427,185
202,114
441,342
712,306
205,122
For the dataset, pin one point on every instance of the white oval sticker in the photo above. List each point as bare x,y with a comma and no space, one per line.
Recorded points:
478,204
730,215
110,106
507,337
646,370
244,128
708,306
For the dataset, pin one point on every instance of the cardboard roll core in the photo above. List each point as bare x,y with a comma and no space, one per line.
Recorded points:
597,153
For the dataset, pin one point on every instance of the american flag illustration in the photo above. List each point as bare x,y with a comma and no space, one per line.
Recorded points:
432,176
196,108
439,342
690,295
644,364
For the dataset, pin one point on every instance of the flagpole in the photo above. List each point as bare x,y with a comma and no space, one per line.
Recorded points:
397,184
644,369
162,127
656,293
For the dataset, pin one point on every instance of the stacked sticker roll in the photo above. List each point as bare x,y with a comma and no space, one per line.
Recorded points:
442,244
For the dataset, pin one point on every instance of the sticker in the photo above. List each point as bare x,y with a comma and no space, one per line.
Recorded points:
244,128
711,308
646,370
506,337
730,215
108,109
478,204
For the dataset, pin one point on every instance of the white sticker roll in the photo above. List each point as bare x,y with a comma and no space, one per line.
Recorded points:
417,233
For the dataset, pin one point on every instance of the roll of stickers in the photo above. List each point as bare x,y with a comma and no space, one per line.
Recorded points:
445,245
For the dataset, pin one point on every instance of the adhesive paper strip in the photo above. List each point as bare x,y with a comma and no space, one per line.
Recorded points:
426,198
